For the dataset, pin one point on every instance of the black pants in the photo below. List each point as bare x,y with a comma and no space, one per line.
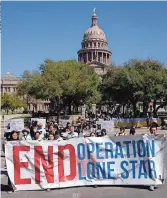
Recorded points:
10,185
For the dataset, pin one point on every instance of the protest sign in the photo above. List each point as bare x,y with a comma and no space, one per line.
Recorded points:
108,125
14,124
128,160
17,124
64,122
86,133
6,125
139,122
39,120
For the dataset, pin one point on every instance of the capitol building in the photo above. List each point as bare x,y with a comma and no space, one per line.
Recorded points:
94,48
94,52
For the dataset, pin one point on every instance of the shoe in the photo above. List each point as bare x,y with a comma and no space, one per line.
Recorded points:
151,188
48,189
11,191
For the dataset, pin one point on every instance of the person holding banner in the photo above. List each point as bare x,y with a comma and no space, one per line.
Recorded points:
13,137
41,129
92,134
154,130
38,136
68,127
103,133
58,138
33,129
51,137
72,134
25,135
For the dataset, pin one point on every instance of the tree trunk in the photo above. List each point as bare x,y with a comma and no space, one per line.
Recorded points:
134,108
154,108
123,110
58,109
69,108
145,108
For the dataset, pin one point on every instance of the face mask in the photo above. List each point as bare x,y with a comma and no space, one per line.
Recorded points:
25,133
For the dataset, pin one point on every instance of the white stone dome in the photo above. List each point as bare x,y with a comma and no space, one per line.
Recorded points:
94,32
10,77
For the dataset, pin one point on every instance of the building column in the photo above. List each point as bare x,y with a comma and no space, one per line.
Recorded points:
87,57
92,56
31,107
46,107
102,58
97,56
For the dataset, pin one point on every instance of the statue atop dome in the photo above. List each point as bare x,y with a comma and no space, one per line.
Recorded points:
94,12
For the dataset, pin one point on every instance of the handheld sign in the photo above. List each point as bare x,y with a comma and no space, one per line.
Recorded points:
39,120
17,124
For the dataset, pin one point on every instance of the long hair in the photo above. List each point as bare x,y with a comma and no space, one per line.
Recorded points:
11,134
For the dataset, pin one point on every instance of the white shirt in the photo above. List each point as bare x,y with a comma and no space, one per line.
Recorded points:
59,139
43,132
26,137
72,135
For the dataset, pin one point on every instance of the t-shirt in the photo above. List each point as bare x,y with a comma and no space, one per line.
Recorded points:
72,135
27,137
43,132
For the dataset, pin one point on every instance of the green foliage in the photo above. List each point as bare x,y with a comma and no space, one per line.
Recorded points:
63,80
137,81
11,102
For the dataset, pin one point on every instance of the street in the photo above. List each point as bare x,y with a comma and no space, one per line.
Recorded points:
80,192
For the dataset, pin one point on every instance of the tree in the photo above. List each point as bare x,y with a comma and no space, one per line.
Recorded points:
121,85
11,102
137,81
63,80
5,102
153,77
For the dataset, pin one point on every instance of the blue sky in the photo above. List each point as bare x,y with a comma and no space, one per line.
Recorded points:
34,31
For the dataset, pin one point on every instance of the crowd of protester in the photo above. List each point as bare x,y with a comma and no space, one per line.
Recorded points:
54,131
